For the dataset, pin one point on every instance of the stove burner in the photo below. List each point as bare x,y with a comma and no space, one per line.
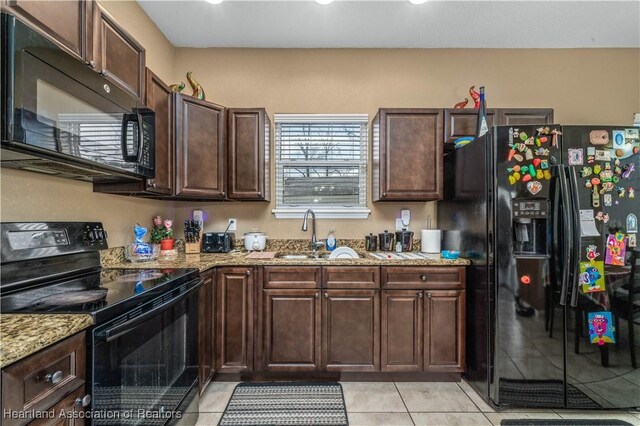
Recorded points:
140,276
73,299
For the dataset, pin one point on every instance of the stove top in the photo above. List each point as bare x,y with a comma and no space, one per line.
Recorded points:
104,293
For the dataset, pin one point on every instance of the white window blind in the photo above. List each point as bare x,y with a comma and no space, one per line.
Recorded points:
321,163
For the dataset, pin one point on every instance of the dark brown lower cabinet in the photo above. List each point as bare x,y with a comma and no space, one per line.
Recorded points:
444,330
291,330
351,330
206,338
234,289
402,330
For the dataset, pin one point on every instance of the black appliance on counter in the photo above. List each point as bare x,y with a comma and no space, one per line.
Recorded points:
532,207
218,242
142,351
62,118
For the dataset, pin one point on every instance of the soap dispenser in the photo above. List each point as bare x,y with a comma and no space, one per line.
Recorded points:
331,242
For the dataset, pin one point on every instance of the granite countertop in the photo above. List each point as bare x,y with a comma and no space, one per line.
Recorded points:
24,334
204,261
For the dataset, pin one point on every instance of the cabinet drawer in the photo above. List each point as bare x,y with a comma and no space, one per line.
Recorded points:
291,277
407,277
351,277
70,406
42,380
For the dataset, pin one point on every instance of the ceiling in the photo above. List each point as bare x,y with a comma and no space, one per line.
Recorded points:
398,24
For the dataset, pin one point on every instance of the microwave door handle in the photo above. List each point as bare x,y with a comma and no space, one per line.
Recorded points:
126,327
139,152
126,119
575,219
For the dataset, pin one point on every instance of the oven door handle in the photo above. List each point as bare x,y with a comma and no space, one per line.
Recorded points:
124,328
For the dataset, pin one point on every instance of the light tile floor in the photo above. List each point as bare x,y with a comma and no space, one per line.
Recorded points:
408,403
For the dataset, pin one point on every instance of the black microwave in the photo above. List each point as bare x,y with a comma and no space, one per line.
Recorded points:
62,118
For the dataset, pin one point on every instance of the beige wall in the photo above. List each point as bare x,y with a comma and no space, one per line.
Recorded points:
583,85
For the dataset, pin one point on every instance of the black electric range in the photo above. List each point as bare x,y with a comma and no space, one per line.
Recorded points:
142,352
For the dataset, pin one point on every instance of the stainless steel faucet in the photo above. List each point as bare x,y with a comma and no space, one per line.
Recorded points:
315,245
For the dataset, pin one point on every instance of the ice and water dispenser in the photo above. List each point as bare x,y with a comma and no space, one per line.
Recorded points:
531,247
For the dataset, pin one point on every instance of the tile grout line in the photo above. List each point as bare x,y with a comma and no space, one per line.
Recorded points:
474,403
395,385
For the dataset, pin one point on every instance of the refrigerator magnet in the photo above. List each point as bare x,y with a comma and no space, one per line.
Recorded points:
618,139
616,249
632,133
608,200
592,276
632,240
602,155
632,223
592,252
576,157
600,328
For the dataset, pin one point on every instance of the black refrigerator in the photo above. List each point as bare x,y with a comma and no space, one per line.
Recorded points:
548,216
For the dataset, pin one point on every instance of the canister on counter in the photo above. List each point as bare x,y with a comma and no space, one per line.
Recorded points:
371,242
386,241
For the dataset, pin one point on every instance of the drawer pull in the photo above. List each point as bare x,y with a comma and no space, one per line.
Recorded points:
423,277
54,378
317,294
326,295
248,273
420,295
84,401
429,295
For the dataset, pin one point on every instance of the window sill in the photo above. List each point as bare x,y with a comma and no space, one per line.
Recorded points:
323,213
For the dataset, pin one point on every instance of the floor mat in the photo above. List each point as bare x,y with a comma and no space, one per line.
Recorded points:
542,394
563,422
286,403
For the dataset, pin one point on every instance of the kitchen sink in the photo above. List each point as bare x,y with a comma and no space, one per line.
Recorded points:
294,256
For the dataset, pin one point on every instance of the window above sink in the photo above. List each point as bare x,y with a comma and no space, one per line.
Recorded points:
321,163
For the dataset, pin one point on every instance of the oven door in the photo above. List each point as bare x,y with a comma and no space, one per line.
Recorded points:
145,364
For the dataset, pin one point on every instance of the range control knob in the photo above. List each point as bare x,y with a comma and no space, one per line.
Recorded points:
525,279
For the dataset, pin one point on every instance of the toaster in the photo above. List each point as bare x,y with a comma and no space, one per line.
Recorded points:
218,242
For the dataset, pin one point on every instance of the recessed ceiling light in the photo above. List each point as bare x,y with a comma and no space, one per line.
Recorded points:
214,1
418,1
324,2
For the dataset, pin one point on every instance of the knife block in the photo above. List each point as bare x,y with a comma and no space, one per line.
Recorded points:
193,248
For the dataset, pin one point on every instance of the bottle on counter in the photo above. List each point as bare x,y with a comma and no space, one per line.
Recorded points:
331,242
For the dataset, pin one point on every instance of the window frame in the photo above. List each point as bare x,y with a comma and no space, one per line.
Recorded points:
322,211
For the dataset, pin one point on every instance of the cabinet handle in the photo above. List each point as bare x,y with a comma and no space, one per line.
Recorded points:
326,294
384,194
429,295
224,194
423,277
317,294
54,378
92,64
84,401
420,295
248,273
259,193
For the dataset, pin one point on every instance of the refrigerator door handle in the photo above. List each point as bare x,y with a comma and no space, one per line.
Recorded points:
556,265
567,231
575,239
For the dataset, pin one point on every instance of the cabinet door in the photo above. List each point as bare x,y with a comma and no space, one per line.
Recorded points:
459,123
248,165
234,290
444,330
407,155
351,330
117,55
525,116
206,338
158,98
200,148
68,23
402,330
291,330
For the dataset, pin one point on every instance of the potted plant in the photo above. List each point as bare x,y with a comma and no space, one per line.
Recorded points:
162,233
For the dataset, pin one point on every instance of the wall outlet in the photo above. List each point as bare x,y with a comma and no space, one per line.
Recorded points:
233,224
399,224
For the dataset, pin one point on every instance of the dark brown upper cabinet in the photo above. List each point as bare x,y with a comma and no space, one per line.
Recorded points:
407,154
248,154
200,131
117,55
460,123
68,23
158,98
